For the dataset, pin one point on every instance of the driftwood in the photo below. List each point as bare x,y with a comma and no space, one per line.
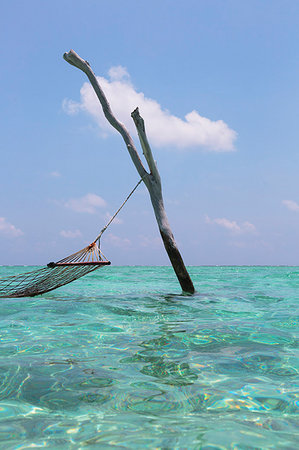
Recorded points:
151,179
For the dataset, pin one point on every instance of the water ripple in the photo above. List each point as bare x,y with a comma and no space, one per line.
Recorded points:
122,359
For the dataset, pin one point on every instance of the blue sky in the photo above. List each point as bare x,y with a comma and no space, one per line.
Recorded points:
217,83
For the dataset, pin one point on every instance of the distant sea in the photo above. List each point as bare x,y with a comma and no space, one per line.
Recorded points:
121,359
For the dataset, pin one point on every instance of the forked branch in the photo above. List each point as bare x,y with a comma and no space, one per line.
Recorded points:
139,123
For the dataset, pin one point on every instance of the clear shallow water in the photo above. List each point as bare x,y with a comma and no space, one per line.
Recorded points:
120,359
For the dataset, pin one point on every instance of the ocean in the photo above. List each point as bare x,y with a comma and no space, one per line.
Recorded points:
122,359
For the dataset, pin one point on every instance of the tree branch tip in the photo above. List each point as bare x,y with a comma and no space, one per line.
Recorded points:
135,112
66,55
75,60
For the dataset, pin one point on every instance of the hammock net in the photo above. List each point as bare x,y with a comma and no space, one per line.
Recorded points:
54,275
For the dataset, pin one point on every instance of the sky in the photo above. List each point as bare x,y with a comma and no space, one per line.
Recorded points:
217,85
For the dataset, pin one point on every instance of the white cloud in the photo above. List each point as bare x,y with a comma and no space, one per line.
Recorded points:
118,73
290,204
163,129
232,225
116,220
70,234
239,244
55,174
87,204
70,107
152,242
8,229
117,241
254,244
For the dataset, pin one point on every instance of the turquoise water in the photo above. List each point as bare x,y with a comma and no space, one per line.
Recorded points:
121,359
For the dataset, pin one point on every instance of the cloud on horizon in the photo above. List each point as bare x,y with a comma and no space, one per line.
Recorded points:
232,225
163,129
117,241
290,204
89,203
8,229
69,234
150,241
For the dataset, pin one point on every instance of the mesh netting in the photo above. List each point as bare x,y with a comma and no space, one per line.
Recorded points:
54,275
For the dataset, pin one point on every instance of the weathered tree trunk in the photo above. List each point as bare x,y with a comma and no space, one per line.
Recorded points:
155,190
152,180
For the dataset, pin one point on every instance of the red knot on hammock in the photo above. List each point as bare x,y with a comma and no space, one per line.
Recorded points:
56,274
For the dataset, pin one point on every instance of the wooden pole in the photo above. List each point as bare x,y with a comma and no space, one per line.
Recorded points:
151,179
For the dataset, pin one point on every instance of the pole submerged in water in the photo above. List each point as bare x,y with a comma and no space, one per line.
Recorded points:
151,179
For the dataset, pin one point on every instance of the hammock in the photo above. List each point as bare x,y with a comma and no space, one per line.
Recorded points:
54,275
57,274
